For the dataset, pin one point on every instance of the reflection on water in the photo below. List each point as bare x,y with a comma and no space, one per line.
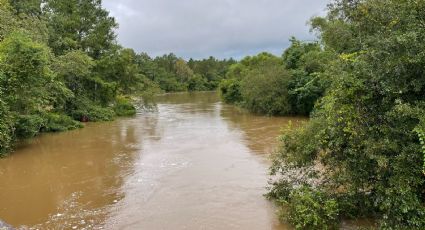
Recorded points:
193,164
260,132
68,178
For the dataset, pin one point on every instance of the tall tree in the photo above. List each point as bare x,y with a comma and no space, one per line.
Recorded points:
28,20
79,24
183,71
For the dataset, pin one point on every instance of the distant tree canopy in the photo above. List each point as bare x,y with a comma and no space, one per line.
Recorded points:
292,84
175,74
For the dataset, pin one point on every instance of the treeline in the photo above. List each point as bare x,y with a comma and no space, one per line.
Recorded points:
173,74
286,85
362,153
60,64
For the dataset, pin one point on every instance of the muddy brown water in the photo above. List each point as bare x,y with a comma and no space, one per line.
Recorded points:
195,163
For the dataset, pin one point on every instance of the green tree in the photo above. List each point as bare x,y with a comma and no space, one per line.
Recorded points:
165,74
260,84
26,22
121,66
27,7
197,83
79,24
364,131
25,65
29,86
306,62
230,91
146,65
211,69
7,19
183,72
90,92
265,90
74,68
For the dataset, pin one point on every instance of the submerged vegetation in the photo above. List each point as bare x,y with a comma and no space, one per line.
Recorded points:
60,65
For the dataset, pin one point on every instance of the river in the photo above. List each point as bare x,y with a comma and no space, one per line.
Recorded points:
195,163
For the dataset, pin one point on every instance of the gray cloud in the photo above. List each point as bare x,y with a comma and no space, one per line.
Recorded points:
221,28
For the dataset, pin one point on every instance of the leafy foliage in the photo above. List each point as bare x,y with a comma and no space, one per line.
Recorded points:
230,90
25,65
306,62
173,74
278,86
311,209
79,24
59,123
124,107
28,125
265,90
364,131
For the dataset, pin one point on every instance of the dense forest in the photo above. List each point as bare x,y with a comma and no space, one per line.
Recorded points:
60,64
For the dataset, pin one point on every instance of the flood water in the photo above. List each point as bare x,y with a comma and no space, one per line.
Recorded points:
195,163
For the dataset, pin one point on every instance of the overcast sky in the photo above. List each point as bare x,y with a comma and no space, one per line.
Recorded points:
220,28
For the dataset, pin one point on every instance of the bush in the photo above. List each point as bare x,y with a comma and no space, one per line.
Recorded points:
60,123
197,83
230,91
307,208
123,107
28,125
93,113
83,109
304,91
265,90
169,83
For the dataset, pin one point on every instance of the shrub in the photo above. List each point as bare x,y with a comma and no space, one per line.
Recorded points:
265,90
59,123
304,91
83,109
197,83
123,107
230,91
28,125
94,113
307,208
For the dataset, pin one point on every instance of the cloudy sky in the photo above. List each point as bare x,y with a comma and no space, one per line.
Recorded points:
221,28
